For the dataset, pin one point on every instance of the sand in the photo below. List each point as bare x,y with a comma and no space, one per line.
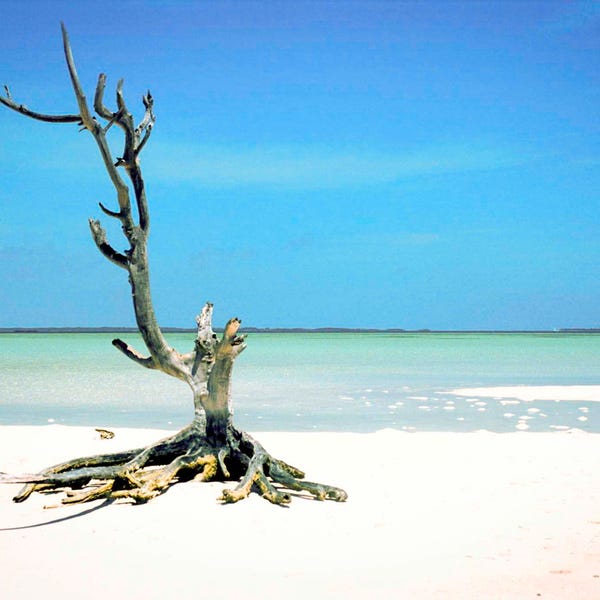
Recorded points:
429,515
528,393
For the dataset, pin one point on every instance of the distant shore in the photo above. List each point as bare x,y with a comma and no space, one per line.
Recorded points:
289,330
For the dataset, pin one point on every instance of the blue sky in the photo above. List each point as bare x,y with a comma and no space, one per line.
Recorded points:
357,164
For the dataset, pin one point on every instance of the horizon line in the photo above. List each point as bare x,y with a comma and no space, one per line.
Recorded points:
250,329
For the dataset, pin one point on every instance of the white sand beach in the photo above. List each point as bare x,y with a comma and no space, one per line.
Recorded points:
429,515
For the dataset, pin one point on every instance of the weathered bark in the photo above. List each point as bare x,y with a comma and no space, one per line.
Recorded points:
211,447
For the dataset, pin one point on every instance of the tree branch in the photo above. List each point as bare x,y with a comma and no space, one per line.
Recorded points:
99,236
135,174
146,124
108,212
149,117
136,262
135,259
96,130
21,108
131,150
231,344
206,340
134,355
99,107
86,117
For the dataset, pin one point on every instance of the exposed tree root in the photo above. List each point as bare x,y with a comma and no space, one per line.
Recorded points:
144,473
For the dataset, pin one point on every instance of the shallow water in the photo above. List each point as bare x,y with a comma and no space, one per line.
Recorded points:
312,381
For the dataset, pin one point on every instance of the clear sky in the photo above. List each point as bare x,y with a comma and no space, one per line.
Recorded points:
358,164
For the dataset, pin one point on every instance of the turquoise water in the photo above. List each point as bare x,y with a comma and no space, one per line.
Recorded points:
305,382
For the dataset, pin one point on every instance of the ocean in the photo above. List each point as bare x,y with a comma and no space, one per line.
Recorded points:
358,382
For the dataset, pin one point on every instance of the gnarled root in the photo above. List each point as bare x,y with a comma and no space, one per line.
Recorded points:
144,473
265,472
128,460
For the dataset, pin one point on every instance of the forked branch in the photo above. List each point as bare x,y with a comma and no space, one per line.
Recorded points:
135,259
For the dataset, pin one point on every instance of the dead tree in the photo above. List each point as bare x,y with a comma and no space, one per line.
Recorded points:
211,447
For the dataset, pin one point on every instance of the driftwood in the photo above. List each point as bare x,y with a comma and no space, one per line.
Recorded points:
210,447
105,434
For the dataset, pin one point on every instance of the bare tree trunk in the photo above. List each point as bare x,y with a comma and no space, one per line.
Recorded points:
210,447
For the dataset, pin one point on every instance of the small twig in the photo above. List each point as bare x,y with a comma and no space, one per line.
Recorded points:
120,99
114,119
144,139
107,211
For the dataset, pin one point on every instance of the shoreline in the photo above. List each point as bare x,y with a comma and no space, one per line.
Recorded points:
512,405
429,515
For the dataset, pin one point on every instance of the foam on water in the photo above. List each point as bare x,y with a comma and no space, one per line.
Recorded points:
342,382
